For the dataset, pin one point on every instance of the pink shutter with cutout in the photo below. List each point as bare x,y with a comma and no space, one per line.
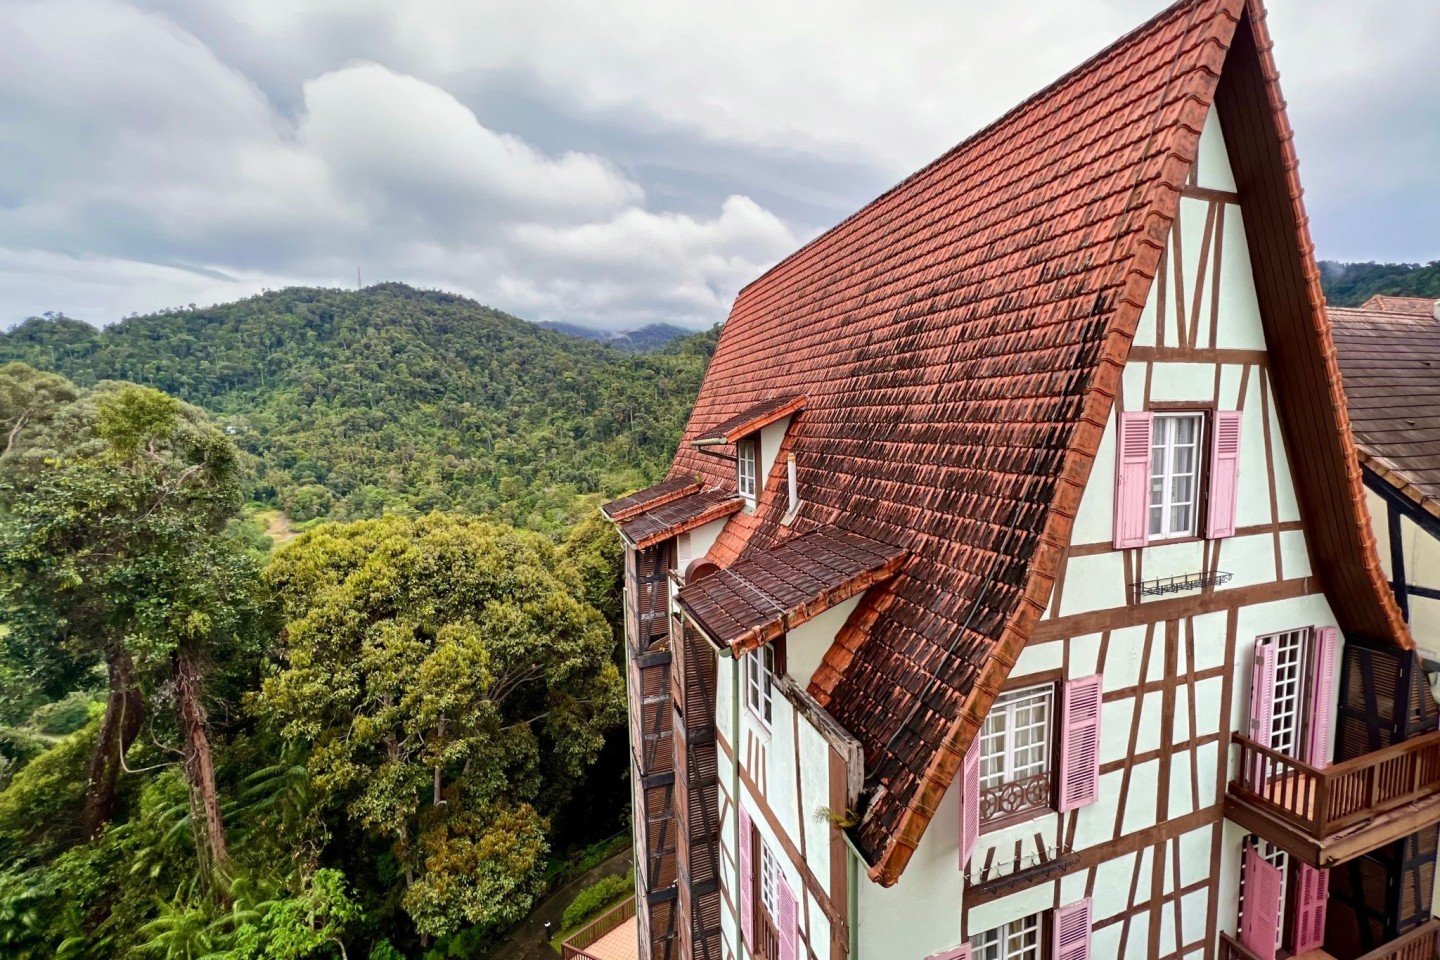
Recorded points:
1262,709
1072,932
1327,649
1132,481
747,879
1310,908
957,953
969,803
1260,905
1224,474
786,924
1080,743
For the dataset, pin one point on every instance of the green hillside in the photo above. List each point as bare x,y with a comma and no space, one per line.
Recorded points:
1351,284
391,399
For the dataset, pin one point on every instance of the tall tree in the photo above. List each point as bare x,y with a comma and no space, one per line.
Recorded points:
450,685
113,507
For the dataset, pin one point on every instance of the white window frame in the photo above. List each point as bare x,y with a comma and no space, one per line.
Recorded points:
998,735
1292,650
760,683
1009,941
1163,452
769,876
747,466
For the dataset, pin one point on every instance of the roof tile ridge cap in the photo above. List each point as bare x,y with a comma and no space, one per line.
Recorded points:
1130,37
1390,610
1139,272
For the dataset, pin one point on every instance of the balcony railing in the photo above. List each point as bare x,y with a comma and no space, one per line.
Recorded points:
1322,803
1416,944
591,933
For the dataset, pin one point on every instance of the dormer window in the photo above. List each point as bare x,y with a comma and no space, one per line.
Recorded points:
747,465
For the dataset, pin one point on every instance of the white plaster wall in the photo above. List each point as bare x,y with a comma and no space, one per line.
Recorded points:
920,915
1422,567
770,439
805,646
697,542
1212,160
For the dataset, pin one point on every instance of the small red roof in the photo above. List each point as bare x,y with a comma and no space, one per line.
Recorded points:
674,517
748,421
650,498
1413,306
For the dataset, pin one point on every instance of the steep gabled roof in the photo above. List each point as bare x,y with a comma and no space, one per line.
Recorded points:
960,342
1391,365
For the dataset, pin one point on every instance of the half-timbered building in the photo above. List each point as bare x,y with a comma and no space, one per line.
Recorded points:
1012,594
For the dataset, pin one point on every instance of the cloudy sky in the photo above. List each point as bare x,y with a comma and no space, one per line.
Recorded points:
609,163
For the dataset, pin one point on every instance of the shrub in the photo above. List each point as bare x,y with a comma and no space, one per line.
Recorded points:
62,717
595,898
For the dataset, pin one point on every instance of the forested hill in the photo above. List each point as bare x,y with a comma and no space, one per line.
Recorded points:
391,398
1351,284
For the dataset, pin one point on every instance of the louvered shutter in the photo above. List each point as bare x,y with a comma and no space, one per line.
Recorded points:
747,879
1080,743
1132,481
1260,907
958,953
1327,649
786,924
1262,708
1224,474
1072,932
969,803
1310,908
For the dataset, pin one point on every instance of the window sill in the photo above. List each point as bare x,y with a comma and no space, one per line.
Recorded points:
1016,819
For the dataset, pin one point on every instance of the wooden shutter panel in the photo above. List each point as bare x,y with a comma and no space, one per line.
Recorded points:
958,953
1072,932
1260,909
747,879
1132,481
1262,708
1224,474
1080,743
1314,893
787,924
969,802
1327,651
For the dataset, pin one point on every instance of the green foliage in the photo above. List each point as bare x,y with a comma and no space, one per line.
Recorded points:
595,550
309,925
595,898
40,807
1351,284
447,680
64,716
394,400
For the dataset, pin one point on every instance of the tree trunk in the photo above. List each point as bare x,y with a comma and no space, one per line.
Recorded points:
199,763
123,712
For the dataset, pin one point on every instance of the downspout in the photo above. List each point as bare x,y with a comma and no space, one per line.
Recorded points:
735,784
852,891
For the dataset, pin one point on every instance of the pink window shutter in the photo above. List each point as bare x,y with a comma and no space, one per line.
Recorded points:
786,924
1132,481
1224,474
747,879
1310,908
1072,932
957,953
1262,708
1260,907
969,803
1080,743
1327,649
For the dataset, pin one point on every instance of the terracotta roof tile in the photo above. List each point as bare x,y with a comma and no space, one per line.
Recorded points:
650,498
759,599
675,517
1411,306
748,421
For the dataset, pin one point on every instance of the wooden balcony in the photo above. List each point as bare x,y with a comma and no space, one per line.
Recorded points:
1328,816
610,936
1416,944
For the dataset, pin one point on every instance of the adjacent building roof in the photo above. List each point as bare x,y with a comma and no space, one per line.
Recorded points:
1391,364
960,342
757,600
674,517
1412,306
748,421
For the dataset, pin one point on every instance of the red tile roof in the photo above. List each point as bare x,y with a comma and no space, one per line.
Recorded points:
759,599
651,497
675,517
748,421
1391,365
1413,306
960,342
